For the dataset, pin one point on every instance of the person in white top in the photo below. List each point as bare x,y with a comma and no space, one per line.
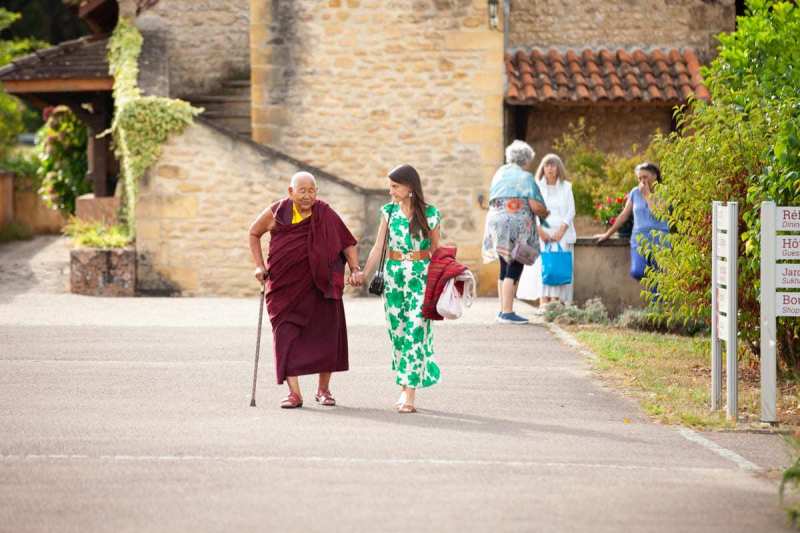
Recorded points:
551,177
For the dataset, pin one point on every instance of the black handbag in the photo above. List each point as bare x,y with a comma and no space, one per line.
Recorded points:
377,284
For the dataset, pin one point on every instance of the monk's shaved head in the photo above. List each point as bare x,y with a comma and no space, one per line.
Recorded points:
303,177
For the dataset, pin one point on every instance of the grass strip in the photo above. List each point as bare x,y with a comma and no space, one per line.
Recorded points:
670,375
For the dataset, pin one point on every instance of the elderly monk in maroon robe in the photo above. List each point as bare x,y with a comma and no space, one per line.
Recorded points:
309,245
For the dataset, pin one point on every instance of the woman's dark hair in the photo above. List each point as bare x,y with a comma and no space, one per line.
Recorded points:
408,176
651,168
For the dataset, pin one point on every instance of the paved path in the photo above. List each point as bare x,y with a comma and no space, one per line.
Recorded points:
132,415
40,265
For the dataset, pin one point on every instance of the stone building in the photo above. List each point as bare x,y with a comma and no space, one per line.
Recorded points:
349,88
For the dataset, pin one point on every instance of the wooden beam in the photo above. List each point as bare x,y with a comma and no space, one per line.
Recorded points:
89,6
58,86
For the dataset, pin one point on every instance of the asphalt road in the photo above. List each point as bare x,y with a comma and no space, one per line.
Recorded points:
133,415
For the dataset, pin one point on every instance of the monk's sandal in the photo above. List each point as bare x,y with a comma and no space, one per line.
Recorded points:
324,397
293,401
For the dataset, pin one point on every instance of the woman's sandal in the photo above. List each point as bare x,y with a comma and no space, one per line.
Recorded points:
325,398
407,408
293,401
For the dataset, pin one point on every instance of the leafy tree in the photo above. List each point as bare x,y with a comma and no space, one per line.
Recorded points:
46,20
744,146
12,111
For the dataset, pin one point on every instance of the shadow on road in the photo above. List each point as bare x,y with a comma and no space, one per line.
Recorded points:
428,418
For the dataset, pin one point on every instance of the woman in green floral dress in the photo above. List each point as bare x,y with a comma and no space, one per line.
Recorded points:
413,228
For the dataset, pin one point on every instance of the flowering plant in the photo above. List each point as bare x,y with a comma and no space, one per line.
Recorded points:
608,211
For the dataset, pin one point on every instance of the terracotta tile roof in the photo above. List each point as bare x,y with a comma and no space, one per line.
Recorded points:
81,58
659,77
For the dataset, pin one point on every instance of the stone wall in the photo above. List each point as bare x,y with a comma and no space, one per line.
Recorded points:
359,86
30,211
206,41
603,271
94,272
617,128
611,24
196,204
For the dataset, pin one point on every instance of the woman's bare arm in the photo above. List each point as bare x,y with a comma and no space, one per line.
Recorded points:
538,208
621,219
375,253
435,237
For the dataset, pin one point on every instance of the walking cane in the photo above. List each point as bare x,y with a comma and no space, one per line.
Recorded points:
258,342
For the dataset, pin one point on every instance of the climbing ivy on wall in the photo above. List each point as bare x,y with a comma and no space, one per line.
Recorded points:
141,124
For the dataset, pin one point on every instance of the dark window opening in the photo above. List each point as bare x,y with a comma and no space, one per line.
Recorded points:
516,123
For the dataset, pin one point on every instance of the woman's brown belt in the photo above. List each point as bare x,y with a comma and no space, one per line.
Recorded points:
420,255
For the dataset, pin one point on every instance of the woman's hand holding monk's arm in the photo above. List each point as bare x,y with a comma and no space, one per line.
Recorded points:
261,225
351,256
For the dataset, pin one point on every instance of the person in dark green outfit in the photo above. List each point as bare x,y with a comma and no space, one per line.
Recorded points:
413,227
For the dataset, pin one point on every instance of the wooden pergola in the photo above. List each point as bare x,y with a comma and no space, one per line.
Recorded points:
75,74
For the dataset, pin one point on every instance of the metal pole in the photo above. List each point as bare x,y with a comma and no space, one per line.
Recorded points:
769,366
716,348
733,367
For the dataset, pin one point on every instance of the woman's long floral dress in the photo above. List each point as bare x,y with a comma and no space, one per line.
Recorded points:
409,332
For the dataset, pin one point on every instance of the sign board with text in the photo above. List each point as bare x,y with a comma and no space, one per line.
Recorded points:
724,249
788,219
777,275
787,247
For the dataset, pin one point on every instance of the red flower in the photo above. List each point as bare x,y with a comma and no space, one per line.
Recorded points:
612,220
620,200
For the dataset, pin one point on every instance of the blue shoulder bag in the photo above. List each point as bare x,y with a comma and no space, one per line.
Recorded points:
556,265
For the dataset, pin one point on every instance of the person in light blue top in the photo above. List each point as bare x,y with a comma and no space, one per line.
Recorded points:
646,227
514,199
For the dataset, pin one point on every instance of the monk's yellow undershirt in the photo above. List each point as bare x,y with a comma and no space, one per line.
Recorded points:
296,216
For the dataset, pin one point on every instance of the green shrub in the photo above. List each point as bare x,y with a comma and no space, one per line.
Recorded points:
649,320
15,231
595,174
791,479
743,146
26,167
62,160
94,234
593,312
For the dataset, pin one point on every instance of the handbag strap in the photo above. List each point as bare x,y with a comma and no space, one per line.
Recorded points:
385,241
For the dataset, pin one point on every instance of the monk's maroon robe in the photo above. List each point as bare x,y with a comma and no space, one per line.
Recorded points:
304,291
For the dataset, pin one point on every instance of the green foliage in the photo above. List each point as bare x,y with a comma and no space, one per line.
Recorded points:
26,167
62,157
15,231
791,478
742,146
649,320
141,124
13,113
595,174
609,209
94,234
593,312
